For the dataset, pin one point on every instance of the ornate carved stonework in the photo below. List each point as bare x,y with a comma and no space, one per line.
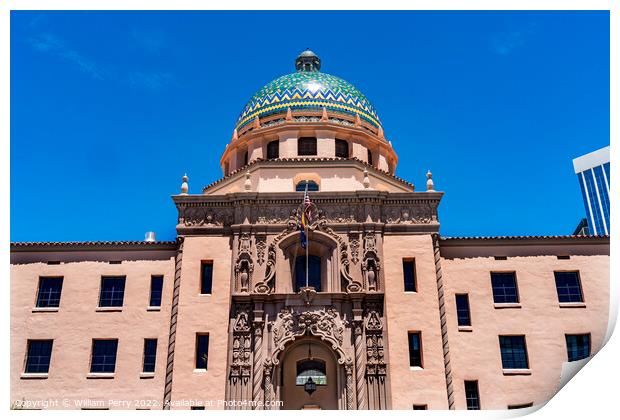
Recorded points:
375,362
241,366
354,244
261,246
371,265
268,283
244,266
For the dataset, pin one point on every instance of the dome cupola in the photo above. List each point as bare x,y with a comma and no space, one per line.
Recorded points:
308,61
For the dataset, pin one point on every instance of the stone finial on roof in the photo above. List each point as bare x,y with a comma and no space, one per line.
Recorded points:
366,180
380,134
257,122
235,135
358,120
289,114
248,184
324,115
184,186
430,186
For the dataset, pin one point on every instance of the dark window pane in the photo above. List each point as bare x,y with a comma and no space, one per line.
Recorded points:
518,406
578,346
514,354
157,283
150,355
314,272
415,349
206,278
104,356
202,351
306,146
462,310
471,395
314,369
409,275
504,288
342,148
49,292
369,157
312,186
112,291
273,149
38,356
568,286
420,407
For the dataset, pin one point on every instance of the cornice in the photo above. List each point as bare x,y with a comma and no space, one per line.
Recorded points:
94,246
523,240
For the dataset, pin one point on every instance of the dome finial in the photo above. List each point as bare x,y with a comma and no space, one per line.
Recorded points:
308,61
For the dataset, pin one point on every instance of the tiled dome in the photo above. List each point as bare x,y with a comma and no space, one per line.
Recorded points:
310,89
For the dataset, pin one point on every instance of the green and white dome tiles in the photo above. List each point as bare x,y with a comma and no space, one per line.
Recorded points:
308,89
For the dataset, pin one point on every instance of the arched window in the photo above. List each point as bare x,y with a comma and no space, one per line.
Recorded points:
369,157
273,149
311,368
306,146
342,148
314,272
312,186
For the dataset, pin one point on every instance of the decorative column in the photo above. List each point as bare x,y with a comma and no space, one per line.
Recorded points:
257,373
267,377
348,367
360,365
173,324
240,368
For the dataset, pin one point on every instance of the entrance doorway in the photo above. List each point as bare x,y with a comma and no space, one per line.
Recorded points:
309,358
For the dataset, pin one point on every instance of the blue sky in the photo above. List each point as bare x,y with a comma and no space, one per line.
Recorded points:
109,109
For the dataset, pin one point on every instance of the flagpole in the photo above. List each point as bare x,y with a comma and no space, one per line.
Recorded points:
307,237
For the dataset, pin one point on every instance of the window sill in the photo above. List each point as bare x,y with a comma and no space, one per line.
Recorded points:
416,368
465,328
507,305
147,375
513,372
200,370
45,309
109,309
572,305
102,375
204,294
153,308
34,375
409,292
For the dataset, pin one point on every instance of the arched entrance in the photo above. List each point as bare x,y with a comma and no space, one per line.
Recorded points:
309,357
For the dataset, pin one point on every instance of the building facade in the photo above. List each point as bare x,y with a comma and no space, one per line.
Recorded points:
593,172
350,299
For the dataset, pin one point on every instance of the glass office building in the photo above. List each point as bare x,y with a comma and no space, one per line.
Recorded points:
594,178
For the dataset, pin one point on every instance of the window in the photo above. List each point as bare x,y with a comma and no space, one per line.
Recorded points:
409,274
112,291
311,368
577,346
415,349
206,277
312,186
462,310
306,146
314,272
197,407
471,395
245,158
103,359
420,407
504,288
49,292
157,283
369,157
518,406
150,355
568,286
514,354
342,148
273,149
38,356
202,351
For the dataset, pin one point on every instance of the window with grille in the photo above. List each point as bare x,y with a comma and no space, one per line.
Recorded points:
49,292
103,358
504,287
462,310
568,286
306,146
150,355
471,395
112,292
415,349
342,148
514,353
577,346
38,356
273,149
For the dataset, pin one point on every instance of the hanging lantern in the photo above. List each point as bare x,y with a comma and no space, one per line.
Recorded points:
310,386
